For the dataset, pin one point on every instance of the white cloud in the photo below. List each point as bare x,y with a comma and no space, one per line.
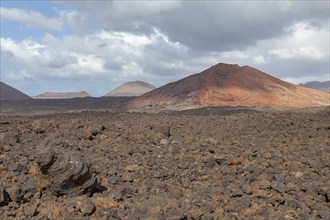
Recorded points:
31,18
298,80
107,55
283,53
20,76
74,19
259,59
302,52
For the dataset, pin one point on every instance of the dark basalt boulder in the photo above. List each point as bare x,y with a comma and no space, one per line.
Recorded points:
66,168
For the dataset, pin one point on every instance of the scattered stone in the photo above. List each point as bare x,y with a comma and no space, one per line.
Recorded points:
299,174
293,204
246,202
175,214
247,189
282,177
165,141
195,213
325,214
263,211
127,177
279,186
114,179
132,168
264,184
211,141
153,205
268,156
85,205
4,197
15,193
38,127
21,169
31,210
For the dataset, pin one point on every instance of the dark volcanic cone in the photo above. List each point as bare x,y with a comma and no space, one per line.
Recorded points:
9,93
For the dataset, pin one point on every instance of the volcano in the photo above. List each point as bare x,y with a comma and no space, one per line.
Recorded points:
228,85
62,95
9,93
323,86
135,88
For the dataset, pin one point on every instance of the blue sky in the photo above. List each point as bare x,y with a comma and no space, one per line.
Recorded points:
22,30
98,45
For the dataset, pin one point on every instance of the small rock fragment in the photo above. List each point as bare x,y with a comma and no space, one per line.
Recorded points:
85,206
31,210
15,194
133,167
4,197
324,214
279,186
299,174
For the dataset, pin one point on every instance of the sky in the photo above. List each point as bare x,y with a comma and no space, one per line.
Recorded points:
94,45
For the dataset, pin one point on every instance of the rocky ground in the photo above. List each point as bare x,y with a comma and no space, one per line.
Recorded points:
224,165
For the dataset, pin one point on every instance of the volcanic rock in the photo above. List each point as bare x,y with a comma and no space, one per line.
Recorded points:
228,85
65,168
247,171
4,197
85,205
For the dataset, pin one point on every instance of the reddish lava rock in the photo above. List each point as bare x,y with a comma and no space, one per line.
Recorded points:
223,163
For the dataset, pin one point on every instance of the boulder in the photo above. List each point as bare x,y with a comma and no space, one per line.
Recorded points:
65,168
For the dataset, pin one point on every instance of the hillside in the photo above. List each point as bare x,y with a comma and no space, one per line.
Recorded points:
228,85
62,95
322,86
9,93
135,88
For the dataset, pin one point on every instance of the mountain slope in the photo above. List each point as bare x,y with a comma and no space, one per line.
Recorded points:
62,95
135,88
228,85
9,93
322,86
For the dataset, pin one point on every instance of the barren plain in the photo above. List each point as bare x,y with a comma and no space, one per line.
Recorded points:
214,163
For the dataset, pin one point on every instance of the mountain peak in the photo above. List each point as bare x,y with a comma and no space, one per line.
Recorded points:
229,85
322,86
9,93
62,95
135,88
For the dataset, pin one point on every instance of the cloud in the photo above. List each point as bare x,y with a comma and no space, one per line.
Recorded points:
154,57
259,59
163,41
142,8
205,25
31,19
302,52
113,55
74,19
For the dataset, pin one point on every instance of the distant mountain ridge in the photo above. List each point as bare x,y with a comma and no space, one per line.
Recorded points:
9,93
322,86
62,95
135,88
228,85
